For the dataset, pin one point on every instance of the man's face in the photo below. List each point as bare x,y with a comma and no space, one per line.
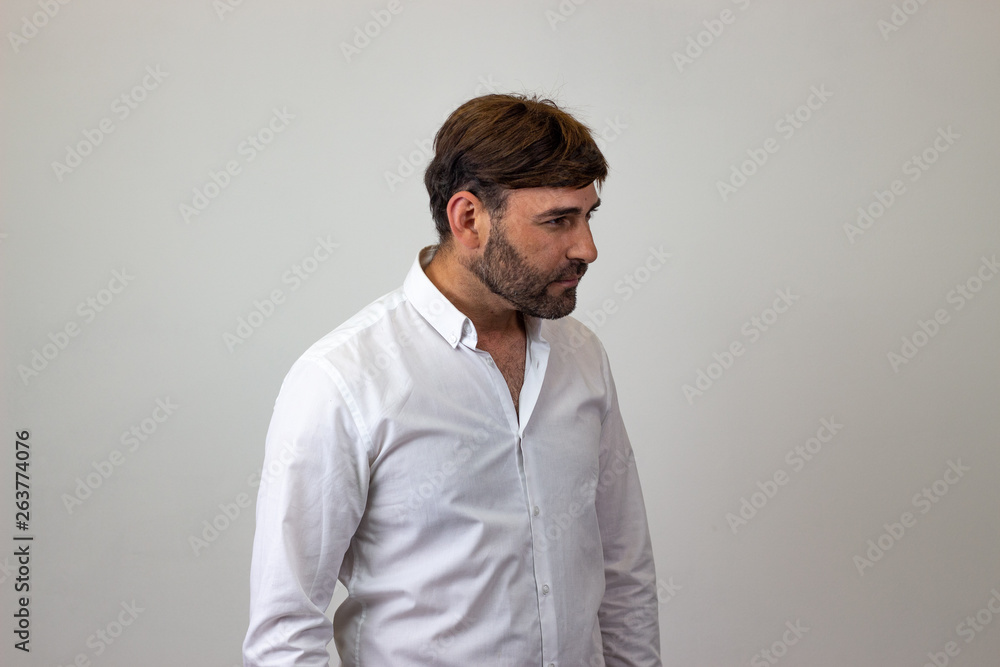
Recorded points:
542,239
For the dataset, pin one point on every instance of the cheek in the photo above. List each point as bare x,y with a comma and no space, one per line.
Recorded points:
545,261
542,248
542,251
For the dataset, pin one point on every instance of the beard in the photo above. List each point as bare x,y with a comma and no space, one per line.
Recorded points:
506,273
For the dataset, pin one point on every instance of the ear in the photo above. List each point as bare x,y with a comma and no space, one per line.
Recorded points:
468,219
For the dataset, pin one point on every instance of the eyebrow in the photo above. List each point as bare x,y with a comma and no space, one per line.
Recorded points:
565,210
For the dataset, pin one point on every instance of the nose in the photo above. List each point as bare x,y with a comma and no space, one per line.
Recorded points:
583,247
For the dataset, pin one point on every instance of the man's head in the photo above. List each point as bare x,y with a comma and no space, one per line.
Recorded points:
514,180
497,143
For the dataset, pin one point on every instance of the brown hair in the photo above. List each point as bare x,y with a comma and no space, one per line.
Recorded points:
495,143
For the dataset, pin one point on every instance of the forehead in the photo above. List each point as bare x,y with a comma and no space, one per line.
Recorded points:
530,200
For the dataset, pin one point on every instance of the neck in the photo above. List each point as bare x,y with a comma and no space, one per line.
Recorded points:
492,315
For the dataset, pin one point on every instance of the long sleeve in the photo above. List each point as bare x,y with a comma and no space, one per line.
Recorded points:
313,491
467,532
628,614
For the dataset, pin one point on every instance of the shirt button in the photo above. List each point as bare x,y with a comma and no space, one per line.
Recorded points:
545,589
489,362
535,511
452,339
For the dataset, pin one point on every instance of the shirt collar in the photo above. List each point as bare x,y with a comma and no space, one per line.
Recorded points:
453,325
441,313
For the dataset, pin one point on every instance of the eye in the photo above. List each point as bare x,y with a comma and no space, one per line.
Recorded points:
558,221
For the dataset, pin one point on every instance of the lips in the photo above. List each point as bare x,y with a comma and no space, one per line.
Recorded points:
572,279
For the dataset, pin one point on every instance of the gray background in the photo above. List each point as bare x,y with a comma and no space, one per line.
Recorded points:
672,131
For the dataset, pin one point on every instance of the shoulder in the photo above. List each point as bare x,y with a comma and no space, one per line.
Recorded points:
370,326
358,360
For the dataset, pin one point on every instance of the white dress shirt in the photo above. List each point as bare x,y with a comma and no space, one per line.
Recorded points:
466,534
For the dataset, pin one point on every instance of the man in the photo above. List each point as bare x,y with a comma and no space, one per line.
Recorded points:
454,454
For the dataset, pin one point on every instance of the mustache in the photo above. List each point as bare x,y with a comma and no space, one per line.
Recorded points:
578,273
